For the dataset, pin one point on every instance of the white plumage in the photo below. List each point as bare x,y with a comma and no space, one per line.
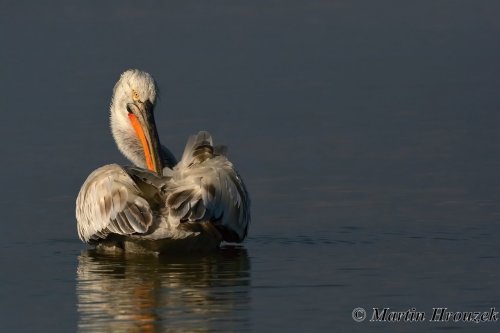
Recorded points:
190,205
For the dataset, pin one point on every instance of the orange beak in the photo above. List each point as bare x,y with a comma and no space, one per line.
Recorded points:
141,117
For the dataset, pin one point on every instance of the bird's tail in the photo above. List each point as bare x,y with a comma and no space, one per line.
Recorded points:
199,148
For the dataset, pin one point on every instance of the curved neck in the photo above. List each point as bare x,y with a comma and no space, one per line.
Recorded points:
127,141
129,144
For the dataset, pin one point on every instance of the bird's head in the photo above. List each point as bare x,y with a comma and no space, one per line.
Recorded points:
132,119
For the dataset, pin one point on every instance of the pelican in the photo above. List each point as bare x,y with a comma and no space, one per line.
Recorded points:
159,204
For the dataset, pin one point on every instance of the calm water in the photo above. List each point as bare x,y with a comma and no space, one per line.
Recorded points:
368,133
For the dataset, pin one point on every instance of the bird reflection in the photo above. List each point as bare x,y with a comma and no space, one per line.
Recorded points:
195,293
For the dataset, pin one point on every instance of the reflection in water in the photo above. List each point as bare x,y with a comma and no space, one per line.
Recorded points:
196,293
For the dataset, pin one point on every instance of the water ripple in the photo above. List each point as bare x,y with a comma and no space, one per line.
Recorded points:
118,293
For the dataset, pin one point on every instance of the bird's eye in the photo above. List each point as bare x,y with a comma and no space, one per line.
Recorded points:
135,95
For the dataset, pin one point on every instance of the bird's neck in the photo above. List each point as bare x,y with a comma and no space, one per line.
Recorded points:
129,144
127,141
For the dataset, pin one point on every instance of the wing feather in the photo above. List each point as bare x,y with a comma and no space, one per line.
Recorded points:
205,186
110,202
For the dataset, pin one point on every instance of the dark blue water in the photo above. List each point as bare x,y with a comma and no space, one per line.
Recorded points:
367,133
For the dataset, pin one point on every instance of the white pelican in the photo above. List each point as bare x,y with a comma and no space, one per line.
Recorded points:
194,204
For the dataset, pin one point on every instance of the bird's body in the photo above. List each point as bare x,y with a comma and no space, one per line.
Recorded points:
160,205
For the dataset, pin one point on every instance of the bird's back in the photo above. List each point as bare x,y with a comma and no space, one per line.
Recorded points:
195,205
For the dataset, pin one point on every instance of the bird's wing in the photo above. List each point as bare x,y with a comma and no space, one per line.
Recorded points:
110,201
204,186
